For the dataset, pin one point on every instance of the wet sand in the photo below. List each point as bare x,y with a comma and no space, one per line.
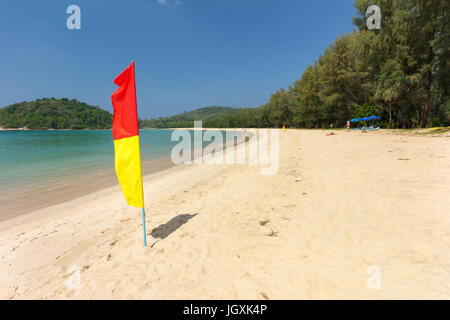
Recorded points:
27,200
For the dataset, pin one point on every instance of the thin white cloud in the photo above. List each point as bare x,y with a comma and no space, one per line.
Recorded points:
175,3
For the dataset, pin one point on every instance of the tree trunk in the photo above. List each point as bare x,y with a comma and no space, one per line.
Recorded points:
424,118
423,121
390,115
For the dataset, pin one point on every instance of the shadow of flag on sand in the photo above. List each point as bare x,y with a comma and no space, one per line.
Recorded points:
164,230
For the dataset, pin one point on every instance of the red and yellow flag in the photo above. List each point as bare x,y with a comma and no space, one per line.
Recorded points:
126,138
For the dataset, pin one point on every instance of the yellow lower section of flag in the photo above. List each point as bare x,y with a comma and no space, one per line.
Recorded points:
128,169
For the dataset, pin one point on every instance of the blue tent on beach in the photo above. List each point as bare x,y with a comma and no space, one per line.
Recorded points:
366,119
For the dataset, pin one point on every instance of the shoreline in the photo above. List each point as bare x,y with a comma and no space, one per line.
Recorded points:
76,188
69,190
162,165
48,210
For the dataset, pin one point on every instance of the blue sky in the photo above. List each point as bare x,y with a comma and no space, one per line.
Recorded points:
188,53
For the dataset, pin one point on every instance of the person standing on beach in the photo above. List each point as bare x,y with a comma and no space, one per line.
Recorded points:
348,125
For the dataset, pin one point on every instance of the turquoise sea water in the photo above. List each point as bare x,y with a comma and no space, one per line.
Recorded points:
42,157
47,167
41,168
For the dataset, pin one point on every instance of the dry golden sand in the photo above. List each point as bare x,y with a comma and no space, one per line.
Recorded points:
337,205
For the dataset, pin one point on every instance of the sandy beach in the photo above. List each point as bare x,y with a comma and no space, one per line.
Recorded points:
338,206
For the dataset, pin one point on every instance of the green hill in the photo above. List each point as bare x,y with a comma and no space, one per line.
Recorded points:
51,113
207,115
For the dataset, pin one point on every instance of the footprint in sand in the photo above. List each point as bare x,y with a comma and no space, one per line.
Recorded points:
416,257
105,230
271,233
245,289
20,234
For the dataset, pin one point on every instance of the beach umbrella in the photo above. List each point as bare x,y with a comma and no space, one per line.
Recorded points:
125,130
365,119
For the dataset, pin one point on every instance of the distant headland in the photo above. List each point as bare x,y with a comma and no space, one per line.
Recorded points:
56,114
65,114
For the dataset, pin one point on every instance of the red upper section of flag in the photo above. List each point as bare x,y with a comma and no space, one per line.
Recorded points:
125,121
